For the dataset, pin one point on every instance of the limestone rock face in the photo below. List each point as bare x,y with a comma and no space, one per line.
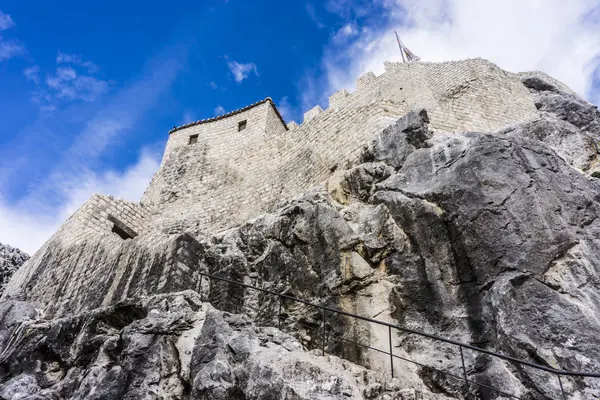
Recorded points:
10,260
172,347
567,123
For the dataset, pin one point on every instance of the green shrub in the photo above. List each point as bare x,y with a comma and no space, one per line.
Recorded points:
596,174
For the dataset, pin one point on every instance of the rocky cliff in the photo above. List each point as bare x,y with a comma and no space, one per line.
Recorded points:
10,260
489,239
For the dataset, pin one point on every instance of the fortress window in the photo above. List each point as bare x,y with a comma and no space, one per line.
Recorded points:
121,229
193,139
242,125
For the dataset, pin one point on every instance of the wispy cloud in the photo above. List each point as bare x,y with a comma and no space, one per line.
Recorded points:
241,71
32,74
9,48
188,116
353,9
345,33
76,59
219,110
286,110
312,14
6,22
560,38
67,84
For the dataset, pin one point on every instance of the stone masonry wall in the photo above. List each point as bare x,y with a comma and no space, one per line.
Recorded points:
209,187
228,176
218,142
470,95
91,220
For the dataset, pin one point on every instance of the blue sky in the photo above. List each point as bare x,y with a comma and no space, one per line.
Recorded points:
89,90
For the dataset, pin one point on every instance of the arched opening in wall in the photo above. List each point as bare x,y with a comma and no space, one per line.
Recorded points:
121,229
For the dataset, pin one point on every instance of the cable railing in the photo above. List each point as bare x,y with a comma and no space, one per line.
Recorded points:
324,310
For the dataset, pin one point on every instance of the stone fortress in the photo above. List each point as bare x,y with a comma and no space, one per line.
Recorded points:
217,173
451,198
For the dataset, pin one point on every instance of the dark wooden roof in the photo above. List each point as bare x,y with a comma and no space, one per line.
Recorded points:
229,114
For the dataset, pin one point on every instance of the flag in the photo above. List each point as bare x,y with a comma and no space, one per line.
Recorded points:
407,55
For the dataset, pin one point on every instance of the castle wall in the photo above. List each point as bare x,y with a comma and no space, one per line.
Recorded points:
228,176
93,217
207,160
259,177
90,221
470,95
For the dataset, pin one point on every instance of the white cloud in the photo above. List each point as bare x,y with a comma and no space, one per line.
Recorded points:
10,49
32,74
345,33
241,71
213,85
219,110
561,38
312,14
67,84
75,59
351,9
27,228
6,22
188,116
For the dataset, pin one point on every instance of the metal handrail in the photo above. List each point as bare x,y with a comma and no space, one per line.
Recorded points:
324,309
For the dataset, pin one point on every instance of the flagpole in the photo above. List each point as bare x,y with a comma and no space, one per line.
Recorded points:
400,46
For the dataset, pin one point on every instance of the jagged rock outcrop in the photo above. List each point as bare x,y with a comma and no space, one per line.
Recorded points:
488,239
10,260
567,123
172,347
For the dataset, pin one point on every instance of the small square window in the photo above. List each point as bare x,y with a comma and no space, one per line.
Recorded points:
193,139
242,125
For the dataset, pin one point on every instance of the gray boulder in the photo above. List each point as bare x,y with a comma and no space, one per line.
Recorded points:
568,124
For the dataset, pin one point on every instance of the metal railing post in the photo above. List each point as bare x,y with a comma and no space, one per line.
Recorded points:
561,387
462,359
279,314
323,333
391,354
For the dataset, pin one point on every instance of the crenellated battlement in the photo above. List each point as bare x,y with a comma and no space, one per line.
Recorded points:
457,94
338,98
312,113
